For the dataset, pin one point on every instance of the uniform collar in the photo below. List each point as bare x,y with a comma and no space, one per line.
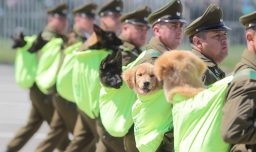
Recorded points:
209,62
48,33
155,44
80,34
249,58
126,46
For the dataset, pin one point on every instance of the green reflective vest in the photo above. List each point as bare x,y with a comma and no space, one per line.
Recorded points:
64,79
26,64
197,120
86,83
115,109
48,65
152,116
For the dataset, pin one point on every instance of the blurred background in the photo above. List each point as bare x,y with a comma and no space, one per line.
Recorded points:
30,17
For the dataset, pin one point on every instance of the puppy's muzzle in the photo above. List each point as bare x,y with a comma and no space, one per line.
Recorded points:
146,85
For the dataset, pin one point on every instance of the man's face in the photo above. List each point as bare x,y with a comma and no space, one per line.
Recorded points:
170,34
136,34
84,23
112,22
215,45
60,23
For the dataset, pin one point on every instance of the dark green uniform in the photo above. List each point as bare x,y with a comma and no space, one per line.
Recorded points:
64,119
127,143
42,105
238,120
129,53
171,13
42,110
211,20
213,72
154,49
83,128
116,144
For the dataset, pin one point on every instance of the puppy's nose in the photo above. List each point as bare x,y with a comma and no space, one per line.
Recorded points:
146,84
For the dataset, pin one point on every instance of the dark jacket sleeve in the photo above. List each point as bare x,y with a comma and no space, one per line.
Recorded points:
238,120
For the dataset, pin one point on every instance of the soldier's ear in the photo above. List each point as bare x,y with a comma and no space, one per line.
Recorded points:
250,37
197,42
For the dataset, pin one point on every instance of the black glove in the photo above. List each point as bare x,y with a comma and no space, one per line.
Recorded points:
37,44
111,70
18,40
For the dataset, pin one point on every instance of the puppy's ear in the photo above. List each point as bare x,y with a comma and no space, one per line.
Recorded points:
97,30
129,77
162,70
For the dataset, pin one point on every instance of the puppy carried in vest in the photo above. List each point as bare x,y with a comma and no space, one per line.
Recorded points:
110,67
180,72
141,79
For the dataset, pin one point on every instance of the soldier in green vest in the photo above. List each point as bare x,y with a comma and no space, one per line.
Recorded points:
167,24
42,107
65,114
208,38
133,34
238,120
110,13
85,135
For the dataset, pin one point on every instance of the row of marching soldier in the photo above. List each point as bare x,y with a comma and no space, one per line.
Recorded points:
80,91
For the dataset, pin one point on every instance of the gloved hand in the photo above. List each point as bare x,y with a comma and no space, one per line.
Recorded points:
111,70
18,40
37,44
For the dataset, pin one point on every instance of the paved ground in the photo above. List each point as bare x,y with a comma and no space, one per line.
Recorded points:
14,109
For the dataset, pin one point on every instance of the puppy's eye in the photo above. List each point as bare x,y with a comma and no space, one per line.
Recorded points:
152,75
140,74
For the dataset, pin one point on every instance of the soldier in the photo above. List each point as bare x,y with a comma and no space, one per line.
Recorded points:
110,14
167,24
65,114
133,34
208,38
42,108
85,134
238,120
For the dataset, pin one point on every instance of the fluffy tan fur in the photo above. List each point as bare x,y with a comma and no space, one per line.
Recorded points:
141,79
180,72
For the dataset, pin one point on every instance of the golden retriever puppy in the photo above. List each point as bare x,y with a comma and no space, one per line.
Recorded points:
180,72
141,79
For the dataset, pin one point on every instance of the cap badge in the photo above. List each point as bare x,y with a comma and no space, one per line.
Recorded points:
118,8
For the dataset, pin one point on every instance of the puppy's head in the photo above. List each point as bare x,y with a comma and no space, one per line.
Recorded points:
142,79
18,40
111,69
101,39
38,43
180,72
